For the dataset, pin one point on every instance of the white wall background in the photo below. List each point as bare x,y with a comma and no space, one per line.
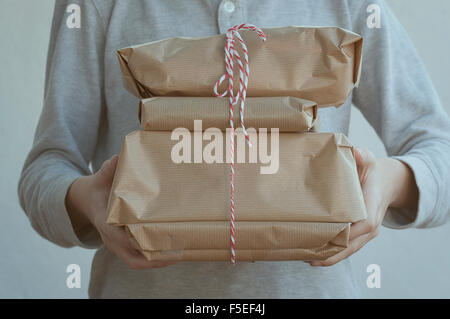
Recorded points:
414,263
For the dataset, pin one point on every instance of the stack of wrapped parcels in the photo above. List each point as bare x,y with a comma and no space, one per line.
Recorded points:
180,210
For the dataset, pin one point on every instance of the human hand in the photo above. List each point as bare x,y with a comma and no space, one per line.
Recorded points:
384,182
87,200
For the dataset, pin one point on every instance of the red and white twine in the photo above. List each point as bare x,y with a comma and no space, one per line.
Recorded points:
232,54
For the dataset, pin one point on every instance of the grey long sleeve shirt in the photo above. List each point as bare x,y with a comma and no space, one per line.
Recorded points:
87,113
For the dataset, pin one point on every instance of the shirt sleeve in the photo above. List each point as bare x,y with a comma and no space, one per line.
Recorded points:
398,99
66,135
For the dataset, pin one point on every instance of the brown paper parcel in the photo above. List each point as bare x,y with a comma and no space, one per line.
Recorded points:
181,211
320,64
289,114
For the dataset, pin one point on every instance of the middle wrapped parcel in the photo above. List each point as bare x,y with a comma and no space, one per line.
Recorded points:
178,209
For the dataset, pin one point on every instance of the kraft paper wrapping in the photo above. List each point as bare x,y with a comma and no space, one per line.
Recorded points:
320,64
289,114
181,211
206,241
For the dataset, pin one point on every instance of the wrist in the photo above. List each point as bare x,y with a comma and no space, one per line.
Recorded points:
400,183
76,202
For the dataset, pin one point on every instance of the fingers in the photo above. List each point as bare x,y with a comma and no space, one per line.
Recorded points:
358,155
352,248
362,231
138,261
121,242
360,234
359,228
106,172
134,244
364,160
114,159
368,225
364,157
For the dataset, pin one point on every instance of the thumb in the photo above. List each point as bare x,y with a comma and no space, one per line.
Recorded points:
106,172
363,157
364,160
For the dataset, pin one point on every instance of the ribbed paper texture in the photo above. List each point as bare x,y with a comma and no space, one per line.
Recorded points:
289,114
316,181
254,240
320,64
183,209
249,235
